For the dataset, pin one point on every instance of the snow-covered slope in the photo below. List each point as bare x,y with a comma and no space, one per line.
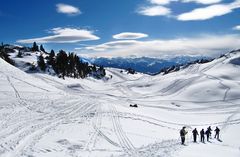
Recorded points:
26,60
42,115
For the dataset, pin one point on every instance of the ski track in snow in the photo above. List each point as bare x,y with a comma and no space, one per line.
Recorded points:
77,112
33,129
124,141
97,126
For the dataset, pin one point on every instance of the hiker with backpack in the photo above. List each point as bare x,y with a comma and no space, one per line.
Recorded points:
202,133
217,130
195,134
183,132
208,133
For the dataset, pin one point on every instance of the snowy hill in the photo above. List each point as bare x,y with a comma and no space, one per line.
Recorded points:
42,115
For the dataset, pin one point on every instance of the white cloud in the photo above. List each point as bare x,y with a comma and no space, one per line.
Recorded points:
64,35
111,45
216,9
237,28
235,4
161,2
202,45
154,11
202,1
209,11
129,35
67,9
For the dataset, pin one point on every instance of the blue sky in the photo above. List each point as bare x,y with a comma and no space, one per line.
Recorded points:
111,28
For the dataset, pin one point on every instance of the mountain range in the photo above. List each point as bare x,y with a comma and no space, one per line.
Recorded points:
145,64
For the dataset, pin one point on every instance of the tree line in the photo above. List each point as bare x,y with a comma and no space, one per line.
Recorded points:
67,64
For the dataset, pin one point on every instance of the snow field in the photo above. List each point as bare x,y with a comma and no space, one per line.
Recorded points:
42,115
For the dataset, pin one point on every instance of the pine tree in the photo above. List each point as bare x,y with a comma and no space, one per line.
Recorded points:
19,55
71,64
76,62
80,70
41,63
61,64
51,58
42,49
86,69
35,47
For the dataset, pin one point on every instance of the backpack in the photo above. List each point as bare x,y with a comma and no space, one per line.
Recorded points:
182,133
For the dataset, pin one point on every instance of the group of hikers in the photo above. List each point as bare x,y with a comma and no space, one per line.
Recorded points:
208,133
